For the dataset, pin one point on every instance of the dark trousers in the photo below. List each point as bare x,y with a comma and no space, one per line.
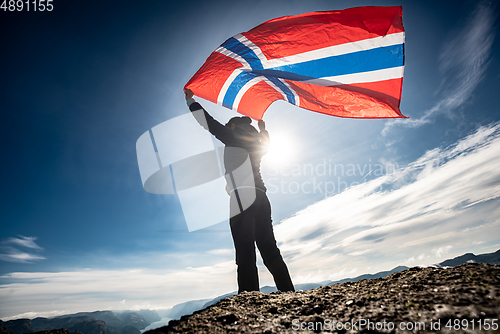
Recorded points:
254,226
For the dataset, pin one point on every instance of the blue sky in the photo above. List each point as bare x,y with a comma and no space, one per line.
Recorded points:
80,84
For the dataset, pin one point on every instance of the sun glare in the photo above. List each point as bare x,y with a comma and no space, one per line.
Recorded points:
280,150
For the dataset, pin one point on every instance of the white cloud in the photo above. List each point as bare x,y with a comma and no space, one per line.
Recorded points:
12,254
413,259
17,256
442,251
41,292
224,251
28,242
359,253
463,63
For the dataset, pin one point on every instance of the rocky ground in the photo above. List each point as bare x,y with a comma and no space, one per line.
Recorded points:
463,299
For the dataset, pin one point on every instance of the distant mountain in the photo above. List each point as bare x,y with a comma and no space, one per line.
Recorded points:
133,319
4,330
79,323
108,317
214,301
185,308
490,258
371,276
18,326
99,322
149,315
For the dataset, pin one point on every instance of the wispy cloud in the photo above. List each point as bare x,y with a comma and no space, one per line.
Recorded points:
463,62
11,253
412,261
223,251
28,242
444,203
17,256
441,251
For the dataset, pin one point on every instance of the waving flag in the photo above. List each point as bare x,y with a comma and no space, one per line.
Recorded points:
346,63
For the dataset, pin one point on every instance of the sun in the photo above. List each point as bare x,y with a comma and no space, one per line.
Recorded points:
280,150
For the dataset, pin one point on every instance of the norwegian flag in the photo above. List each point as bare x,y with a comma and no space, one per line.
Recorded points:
345,63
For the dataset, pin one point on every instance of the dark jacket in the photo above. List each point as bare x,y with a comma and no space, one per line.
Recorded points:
250,143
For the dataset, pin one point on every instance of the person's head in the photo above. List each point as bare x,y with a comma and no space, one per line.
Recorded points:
243,129
239,121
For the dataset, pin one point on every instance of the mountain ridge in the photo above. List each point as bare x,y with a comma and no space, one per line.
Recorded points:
97,322
491,258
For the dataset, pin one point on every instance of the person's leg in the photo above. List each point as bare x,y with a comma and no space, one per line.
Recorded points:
243,232
266,243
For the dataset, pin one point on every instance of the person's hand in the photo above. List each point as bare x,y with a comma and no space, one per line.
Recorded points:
189,93
262,125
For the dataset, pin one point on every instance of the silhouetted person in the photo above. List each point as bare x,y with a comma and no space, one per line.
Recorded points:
252,225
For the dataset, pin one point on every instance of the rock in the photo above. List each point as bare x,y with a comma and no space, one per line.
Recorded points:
422,298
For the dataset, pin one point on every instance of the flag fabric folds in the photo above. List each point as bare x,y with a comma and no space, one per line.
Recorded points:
345,63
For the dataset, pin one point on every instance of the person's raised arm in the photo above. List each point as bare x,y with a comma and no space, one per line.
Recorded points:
220,132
